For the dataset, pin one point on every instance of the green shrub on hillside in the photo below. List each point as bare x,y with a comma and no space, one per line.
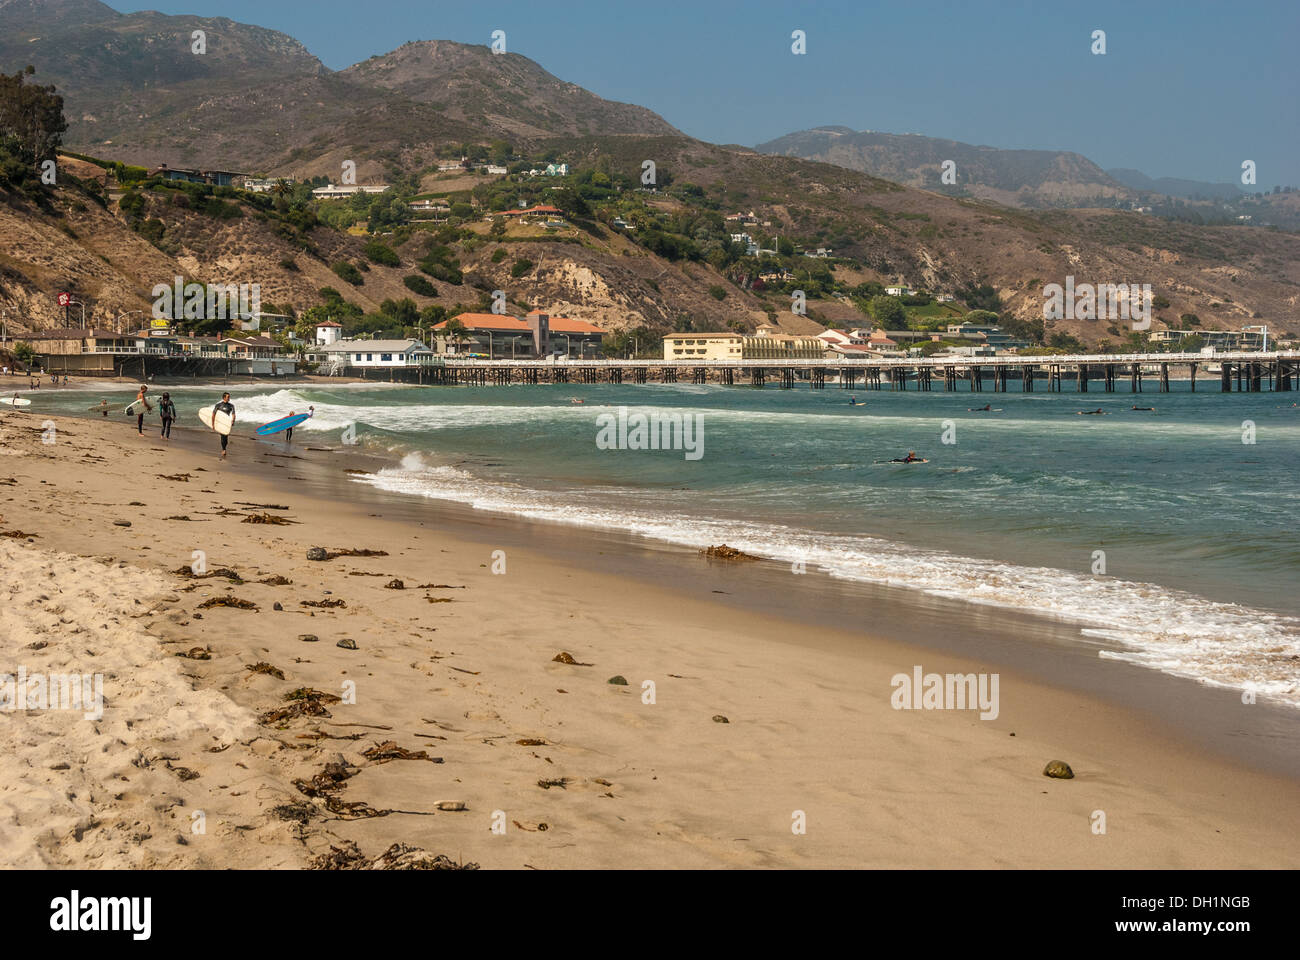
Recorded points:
348,273
382,254
417,284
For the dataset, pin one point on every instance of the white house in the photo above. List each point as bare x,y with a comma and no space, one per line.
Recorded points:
496,169
328,332
751,248
899,291
343,191
378,353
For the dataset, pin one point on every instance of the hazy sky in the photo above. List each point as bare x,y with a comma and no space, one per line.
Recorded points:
1186,89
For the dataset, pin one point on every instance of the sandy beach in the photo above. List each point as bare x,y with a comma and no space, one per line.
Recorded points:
459,733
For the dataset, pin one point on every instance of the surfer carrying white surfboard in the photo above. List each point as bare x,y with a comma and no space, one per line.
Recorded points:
226,407
143,407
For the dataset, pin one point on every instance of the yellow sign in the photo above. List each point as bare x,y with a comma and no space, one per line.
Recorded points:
160,323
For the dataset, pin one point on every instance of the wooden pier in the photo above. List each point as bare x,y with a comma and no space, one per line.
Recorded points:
1242,372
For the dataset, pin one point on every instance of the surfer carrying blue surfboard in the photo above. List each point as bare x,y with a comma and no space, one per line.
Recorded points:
288,434
225,406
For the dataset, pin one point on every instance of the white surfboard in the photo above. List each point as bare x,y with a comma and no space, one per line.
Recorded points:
15,402
138,406
220,422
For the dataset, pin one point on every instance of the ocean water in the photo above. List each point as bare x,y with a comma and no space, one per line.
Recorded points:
1162,531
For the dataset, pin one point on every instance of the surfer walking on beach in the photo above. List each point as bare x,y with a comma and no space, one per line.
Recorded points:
167,410
140,411
225,406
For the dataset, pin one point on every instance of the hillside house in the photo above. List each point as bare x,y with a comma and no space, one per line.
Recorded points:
215,178
344,191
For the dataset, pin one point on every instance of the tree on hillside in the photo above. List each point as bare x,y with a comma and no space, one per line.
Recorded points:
888,312
31,118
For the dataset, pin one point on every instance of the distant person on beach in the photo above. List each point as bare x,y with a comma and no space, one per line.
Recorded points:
225,406
103,407
167,410
139,417
288,434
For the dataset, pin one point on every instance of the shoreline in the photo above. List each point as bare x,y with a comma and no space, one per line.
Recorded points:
809,721
1063,651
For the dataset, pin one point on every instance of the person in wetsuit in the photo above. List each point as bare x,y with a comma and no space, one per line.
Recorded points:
167,410
225,406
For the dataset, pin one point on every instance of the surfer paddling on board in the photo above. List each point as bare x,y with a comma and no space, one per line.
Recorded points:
984,409
1099,412
225,406
910,458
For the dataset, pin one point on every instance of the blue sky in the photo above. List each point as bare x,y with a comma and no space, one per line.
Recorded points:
1185,89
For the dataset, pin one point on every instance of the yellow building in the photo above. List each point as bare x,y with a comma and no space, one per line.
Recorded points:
703,346
737,346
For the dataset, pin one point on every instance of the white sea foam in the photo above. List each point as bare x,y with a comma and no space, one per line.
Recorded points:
1153,626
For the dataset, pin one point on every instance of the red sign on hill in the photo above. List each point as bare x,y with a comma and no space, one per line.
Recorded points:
65,299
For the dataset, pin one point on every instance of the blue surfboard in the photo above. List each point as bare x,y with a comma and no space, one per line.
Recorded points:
275,426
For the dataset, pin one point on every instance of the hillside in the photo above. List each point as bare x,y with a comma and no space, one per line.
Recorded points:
673,264
1022,178
258,101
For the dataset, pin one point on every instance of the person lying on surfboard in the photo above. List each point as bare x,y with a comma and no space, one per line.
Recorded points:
910,458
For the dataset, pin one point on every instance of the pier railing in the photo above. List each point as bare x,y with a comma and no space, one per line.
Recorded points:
1252,371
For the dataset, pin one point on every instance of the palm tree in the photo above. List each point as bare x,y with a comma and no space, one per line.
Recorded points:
456,332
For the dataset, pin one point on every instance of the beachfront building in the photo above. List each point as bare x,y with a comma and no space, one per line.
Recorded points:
738,346
258,355
703,346
328,332
495,336
375,353
1247,338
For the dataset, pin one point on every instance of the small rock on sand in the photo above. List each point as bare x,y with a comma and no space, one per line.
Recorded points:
719,718
347,644
1059,770
318,553
308,637
618,681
